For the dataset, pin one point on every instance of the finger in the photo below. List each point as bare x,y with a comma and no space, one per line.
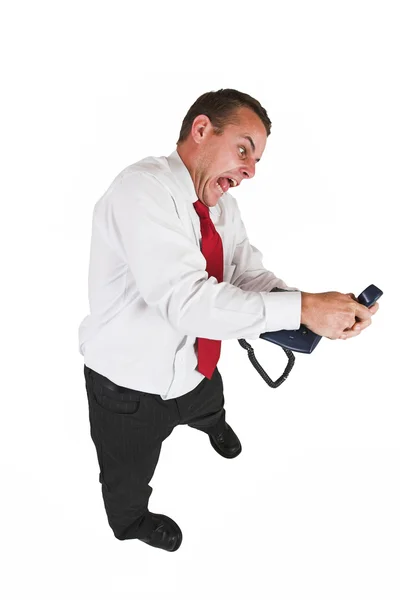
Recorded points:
361,325
356,329
362,312
349,334
351,295
374,308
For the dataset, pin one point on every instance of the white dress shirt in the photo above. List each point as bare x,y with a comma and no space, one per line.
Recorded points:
150,296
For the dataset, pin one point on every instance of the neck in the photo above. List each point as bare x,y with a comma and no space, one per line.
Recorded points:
184,156
189,160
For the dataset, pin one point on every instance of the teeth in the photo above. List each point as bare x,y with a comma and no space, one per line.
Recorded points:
234,183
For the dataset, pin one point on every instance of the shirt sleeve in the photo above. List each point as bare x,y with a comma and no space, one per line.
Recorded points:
250,274
169,269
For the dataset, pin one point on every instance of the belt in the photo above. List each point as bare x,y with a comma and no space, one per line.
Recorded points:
108,383
117,388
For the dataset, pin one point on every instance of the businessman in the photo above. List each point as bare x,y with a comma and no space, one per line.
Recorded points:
171,274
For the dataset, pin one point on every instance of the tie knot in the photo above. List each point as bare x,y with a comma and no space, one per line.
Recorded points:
202,210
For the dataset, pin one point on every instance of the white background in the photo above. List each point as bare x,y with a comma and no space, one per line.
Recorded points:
310,507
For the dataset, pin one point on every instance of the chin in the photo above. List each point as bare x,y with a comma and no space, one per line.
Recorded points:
211,203
213,200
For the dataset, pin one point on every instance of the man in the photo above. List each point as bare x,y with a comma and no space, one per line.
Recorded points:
172,273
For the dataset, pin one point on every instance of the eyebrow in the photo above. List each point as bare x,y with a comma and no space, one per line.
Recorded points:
247,137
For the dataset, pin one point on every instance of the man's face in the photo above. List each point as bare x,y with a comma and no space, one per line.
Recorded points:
225,160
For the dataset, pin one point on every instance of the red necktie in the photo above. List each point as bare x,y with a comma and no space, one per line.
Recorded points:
208,351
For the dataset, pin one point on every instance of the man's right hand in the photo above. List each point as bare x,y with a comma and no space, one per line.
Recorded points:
335,315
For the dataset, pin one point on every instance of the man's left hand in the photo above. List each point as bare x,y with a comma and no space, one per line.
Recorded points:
359,325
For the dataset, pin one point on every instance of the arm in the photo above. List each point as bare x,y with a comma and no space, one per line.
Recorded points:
169,269
330,314
250,273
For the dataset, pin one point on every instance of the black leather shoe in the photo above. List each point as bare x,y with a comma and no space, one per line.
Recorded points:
227,443
165,534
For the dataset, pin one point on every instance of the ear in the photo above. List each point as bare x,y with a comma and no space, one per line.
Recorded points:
201,128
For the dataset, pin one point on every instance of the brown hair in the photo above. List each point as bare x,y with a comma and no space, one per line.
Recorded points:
221,107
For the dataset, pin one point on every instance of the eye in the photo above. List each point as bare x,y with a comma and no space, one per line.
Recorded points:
242,151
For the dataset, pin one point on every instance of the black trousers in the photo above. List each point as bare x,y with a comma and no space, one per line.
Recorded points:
128,428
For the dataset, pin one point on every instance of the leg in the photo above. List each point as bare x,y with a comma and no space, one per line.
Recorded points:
128,432
205,411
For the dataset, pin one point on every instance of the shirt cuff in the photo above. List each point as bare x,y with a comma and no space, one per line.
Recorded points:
282,309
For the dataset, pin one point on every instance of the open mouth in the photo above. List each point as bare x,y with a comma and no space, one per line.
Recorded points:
224,183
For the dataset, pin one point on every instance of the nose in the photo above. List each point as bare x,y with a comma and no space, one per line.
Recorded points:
249,170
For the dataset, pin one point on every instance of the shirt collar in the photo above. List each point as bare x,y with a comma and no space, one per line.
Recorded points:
180,171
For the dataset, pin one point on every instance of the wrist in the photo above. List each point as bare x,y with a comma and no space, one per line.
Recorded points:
306,308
